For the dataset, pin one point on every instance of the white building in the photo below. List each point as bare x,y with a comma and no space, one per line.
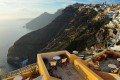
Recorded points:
102,7
111,22
118,17
114,16
96,9
74,6
115,21
115,48
110,15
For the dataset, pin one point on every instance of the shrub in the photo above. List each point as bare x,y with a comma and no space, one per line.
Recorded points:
94,59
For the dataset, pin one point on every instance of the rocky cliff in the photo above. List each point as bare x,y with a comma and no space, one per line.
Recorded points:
30,44
74,29
42,20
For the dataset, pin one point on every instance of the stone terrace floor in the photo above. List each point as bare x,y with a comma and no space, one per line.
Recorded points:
68,73
104,64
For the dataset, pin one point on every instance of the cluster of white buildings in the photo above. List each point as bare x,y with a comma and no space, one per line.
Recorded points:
115,23
97,8
112,13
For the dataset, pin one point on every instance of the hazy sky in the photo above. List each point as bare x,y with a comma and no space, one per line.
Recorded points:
14,9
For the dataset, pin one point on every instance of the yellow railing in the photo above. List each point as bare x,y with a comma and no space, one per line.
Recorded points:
87,73
71,57
43,70
106,76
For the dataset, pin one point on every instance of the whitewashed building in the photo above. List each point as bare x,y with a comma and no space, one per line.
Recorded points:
96,9
110,16
114,16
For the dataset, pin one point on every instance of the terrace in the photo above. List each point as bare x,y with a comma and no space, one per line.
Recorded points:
73,68
106,64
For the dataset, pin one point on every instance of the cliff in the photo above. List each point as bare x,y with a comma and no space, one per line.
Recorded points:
74,29
30,44
42,20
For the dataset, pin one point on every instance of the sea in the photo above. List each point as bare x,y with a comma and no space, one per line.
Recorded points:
10,31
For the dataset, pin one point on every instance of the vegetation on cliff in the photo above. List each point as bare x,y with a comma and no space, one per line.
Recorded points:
82,35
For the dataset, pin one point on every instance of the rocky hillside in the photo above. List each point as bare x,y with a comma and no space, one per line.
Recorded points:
74,29
81,32
42,20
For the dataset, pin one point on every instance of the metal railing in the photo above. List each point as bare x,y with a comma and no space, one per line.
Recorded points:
19,71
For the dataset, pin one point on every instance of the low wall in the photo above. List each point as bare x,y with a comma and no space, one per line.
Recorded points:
71,57
106,76
50,55
99,54
105,51
24,72
43,70
115,53
28,74
87,73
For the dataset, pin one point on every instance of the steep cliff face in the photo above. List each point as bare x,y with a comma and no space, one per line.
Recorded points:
30,44
42,20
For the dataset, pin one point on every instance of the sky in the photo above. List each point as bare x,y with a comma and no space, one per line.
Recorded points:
25,9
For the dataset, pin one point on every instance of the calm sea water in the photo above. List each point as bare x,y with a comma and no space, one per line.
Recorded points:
10,31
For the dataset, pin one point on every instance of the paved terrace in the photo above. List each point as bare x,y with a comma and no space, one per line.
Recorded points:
104,64
68,73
